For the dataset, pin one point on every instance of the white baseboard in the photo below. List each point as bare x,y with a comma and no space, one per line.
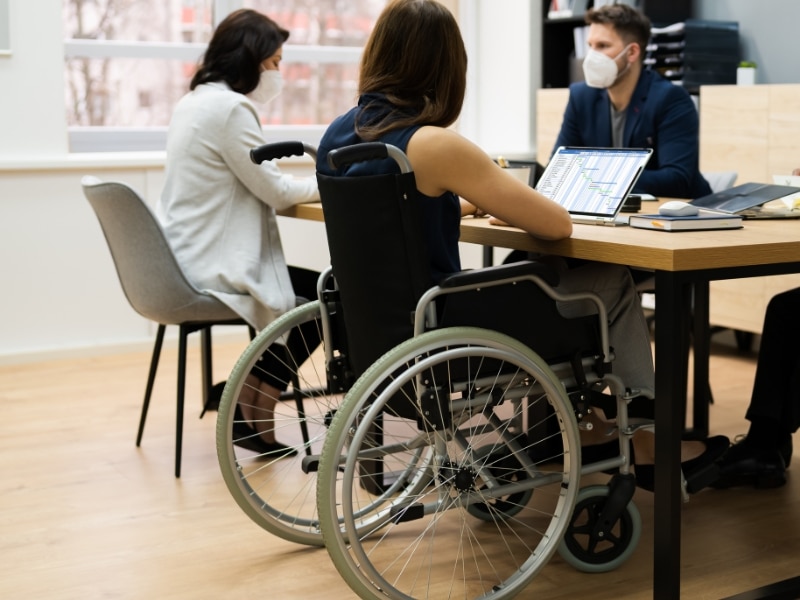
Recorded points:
221,335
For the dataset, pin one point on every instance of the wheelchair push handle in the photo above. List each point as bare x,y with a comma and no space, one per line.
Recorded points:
281,150
348,155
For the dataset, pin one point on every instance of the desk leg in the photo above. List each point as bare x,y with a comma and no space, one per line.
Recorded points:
702,348
673,292
488,256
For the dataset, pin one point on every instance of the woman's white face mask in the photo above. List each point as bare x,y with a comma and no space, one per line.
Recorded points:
270,85
601,71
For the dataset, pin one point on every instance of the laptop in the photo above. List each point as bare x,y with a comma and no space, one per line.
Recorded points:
593,183
754,201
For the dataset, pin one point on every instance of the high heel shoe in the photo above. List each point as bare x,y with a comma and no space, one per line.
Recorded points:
699,472
214,397
248,438
593,453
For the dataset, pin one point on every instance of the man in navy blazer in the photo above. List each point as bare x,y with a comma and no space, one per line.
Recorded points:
621,104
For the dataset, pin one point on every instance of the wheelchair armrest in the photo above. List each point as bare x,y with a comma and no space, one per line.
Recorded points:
512,270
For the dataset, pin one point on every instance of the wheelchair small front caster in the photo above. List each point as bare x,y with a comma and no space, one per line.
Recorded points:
597,550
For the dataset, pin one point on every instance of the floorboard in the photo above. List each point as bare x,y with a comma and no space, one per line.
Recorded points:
86,514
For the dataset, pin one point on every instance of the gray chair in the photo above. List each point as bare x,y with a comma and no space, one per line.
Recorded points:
156,287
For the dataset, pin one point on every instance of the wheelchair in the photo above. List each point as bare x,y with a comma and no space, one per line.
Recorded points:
453,461
452,466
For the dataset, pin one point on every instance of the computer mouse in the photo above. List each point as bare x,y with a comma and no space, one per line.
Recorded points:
677,208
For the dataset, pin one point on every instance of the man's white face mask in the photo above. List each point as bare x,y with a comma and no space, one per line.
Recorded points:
601,71
269,86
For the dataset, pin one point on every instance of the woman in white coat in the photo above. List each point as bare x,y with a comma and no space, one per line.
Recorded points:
217,206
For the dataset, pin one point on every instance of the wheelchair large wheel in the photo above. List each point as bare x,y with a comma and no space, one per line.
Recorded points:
467,525
587,552
278,492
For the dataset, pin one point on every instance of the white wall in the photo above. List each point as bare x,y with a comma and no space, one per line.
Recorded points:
31,79
767,34
59,286
499,115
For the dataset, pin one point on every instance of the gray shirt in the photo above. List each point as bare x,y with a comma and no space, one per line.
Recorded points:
617,126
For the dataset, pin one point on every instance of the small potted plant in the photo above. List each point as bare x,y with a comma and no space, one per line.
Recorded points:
746,73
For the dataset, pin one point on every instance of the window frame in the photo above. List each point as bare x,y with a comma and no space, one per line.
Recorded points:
131,139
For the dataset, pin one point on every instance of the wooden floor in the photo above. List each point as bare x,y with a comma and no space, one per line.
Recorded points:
85,514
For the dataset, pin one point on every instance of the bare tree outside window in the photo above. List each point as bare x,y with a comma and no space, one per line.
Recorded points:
317,92
128,75
106,91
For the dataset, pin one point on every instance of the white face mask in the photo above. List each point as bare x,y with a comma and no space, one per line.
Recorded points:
601,71
269,86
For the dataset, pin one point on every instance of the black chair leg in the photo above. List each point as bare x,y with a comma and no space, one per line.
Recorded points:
151,377
184,334
207,369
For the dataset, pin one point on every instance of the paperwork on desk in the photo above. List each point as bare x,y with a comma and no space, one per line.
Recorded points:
793,180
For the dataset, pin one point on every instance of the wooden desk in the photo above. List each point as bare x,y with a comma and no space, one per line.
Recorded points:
681,262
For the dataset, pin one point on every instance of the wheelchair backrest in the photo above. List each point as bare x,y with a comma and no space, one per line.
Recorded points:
378,258
381,266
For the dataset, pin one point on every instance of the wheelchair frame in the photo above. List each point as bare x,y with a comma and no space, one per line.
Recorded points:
468,456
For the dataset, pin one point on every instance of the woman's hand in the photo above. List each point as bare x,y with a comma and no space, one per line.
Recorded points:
498,222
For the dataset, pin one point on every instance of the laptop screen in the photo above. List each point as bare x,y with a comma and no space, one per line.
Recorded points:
592,181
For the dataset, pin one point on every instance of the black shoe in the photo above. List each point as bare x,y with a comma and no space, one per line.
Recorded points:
248,438
699,472
745,465
596,452
214,397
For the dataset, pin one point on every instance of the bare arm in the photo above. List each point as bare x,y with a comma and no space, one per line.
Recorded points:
445,161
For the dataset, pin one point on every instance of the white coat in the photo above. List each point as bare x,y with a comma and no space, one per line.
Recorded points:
218,207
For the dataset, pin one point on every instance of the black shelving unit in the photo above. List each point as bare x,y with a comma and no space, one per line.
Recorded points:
558,48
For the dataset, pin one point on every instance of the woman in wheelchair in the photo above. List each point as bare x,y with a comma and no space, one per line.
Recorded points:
409,97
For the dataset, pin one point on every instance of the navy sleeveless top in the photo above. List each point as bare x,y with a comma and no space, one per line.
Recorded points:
442,215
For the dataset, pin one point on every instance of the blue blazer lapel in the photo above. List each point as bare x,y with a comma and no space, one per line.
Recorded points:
602,112
636,107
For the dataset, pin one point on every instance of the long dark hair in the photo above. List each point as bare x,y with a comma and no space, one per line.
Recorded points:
415,56
241,42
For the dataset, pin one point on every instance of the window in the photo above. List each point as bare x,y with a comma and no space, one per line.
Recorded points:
127,62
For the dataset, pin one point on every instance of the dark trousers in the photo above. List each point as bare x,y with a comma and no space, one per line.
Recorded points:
776,389
278,362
